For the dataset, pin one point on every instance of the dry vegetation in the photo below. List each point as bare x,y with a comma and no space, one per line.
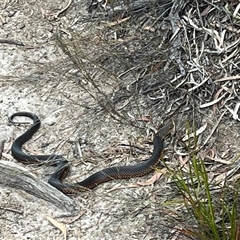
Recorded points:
149,62
137,65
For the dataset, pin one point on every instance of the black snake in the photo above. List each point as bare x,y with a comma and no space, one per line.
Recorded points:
107,174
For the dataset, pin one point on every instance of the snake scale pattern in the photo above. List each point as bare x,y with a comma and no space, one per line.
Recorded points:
107,174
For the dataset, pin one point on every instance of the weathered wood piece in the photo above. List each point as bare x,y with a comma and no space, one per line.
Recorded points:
15,176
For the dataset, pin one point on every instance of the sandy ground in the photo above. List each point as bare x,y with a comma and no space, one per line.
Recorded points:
29,83
30,80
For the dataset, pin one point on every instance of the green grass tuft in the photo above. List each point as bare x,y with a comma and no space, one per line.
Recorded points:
213,214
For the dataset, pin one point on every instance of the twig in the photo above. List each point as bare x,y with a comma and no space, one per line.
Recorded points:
214,129
234,111
12,210
214,101
64,9
228,78
11,41
1,147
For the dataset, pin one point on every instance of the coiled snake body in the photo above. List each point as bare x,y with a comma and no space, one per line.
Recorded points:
107,174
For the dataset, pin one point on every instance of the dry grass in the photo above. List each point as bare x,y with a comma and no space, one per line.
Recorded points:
171,60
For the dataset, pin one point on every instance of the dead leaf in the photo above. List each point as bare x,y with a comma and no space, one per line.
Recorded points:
153,179
183,160
58,225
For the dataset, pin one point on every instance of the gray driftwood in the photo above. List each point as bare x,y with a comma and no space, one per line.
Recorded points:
15,176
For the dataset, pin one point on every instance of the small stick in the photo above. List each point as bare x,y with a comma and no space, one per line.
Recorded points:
1,147
11,41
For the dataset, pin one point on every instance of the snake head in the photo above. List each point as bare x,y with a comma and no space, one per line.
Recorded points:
165,130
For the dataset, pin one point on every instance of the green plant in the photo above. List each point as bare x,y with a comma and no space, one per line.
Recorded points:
214,213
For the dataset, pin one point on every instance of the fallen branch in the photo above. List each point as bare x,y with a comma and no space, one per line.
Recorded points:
15,176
